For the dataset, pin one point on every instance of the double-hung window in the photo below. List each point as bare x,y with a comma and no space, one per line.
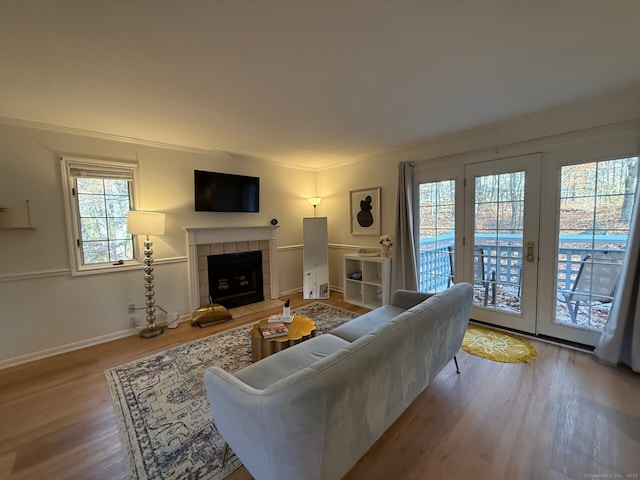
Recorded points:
99,194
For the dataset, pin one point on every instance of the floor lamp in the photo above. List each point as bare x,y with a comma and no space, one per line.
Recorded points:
314,202
147,223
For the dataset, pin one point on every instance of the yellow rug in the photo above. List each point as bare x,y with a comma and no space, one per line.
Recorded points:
497,346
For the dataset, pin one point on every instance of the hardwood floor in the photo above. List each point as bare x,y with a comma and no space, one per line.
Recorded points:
565,415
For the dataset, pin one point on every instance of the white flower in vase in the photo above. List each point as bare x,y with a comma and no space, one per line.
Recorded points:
386,242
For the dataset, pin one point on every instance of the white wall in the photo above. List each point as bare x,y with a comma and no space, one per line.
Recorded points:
43,309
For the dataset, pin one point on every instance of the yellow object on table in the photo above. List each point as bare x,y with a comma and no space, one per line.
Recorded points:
300,329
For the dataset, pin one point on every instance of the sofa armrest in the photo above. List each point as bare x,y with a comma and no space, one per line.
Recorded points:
406,299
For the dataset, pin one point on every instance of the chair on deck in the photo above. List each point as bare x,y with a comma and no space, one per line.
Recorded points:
596,279
450,280
483,276
479,274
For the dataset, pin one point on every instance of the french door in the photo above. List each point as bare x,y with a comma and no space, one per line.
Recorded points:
586,250
544,264
484,233
500,242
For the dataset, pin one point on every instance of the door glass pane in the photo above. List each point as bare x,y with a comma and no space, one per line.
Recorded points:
498,239
596,200
436,239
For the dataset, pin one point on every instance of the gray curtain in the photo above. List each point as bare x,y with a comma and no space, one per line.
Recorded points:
620,340
403,265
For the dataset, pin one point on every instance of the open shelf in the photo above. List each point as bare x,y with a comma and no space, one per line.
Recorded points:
19,227
366,280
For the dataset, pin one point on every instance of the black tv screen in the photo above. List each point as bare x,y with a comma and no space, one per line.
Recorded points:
226,192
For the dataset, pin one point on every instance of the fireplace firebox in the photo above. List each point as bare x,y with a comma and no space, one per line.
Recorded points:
235,279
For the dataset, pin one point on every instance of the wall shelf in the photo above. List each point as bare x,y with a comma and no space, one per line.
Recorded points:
372,290
28,225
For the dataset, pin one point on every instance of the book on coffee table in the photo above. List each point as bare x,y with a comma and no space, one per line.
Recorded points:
280,318
273,330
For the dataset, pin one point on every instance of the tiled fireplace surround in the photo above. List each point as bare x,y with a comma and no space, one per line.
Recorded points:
204,241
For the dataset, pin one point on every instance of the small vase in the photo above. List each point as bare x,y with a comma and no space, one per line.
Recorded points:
385,251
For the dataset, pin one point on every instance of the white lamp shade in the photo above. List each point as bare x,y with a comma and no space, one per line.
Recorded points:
314,201
145,223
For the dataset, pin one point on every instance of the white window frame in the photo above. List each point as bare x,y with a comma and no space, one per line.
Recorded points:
70,166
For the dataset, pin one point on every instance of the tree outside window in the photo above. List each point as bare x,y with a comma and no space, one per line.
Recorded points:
102,207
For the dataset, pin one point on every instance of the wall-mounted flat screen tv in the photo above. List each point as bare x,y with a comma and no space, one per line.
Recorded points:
226,192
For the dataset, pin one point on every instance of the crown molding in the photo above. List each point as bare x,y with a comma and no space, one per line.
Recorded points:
17,122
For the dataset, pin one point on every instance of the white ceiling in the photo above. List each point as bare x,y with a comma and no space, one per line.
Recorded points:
307,83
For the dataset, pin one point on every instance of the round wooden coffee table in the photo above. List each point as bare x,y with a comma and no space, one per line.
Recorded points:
300,329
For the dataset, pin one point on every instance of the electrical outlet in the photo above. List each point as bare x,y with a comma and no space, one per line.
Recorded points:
133,321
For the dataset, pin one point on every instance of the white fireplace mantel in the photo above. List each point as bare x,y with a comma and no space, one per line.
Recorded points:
211,235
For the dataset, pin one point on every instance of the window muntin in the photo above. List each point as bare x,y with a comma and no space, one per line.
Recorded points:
498,239
436,219
595,204
102,213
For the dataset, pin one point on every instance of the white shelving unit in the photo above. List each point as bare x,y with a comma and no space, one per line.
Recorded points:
373,290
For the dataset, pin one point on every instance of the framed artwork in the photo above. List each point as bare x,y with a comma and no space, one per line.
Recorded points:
365,211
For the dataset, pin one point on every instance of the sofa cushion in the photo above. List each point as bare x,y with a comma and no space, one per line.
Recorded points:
409,298
356,328
276,367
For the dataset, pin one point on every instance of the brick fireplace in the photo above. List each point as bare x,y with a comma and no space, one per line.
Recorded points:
203,242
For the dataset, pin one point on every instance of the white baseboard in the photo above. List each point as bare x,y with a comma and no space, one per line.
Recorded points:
298,290
12,362
290,292
49,352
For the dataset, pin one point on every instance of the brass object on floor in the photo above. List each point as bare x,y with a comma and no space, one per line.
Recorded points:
210,314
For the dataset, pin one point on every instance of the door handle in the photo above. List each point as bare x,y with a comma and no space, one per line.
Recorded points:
530,247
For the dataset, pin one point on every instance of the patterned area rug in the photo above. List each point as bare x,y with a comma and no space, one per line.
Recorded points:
162,409
497,346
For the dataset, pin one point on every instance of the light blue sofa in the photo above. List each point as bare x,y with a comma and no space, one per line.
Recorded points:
312,410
